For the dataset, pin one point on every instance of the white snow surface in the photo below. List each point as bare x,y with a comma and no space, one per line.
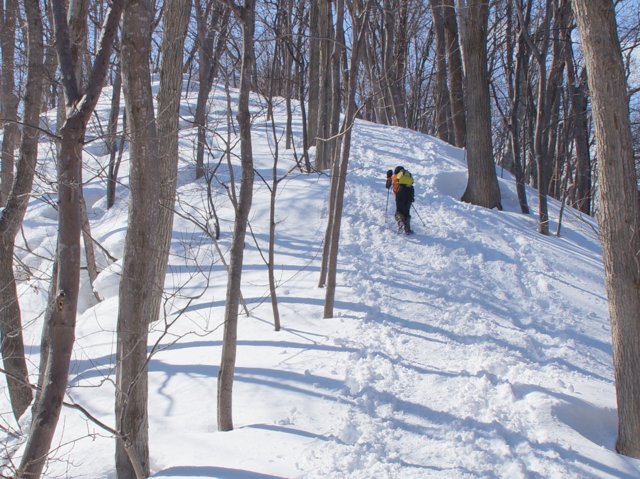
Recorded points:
475,348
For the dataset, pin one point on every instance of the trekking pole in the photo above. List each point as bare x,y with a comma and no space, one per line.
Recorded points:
418,215
386,206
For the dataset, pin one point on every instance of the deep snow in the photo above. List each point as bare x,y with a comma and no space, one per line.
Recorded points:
474,348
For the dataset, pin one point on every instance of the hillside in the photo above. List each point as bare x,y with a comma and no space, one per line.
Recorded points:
474,348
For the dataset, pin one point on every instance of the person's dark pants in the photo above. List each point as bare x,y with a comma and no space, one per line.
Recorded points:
404,198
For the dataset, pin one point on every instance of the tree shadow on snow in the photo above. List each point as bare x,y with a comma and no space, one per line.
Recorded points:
213,472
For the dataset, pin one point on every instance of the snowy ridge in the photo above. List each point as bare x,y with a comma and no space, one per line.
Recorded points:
474,348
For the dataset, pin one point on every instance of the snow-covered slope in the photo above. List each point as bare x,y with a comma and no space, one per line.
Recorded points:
474,348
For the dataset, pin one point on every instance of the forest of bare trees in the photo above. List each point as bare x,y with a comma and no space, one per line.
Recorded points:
524,86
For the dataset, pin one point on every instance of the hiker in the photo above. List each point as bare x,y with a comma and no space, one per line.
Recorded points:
402,183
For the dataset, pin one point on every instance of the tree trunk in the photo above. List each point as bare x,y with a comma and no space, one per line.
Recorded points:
482,185
393,102
63,316
359,21
11,218
442,105
272,226
336,88
177,13
138,287
209,58
580,132
618,207
323,160
313,75
8,98
112,142
246,15
516,85
455,74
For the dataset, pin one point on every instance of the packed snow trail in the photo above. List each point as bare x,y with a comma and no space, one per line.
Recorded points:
461,367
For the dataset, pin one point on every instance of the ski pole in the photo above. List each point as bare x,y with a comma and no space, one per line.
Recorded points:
386,206
418,215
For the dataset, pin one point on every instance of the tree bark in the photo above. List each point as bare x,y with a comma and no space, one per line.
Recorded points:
482,186
11,218
359,20
392,61
137,287
210,50
246,15
442,97
63,316
579,130
516,85
455,74
618,207
323,160
336,83
313,74
112,142
8,98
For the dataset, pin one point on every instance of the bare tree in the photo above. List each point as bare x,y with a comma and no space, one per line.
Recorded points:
154,159
323,159
516,86
8,98
11,220
443,108
618,210
394,53
482,186
212,23
455,73
112,137
359,13
336,79
313,73
246,16
80,105
577,85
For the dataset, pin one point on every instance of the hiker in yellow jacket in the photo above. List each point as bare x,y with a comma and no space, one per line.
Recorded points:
402,183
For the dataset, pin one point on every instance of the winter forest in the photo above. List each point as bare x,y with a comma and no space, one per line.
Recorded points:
200,274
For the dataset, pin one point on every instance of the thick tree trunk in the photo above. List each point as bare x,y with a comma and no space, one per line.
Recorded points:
139,290
441,91
62,321
482,186
8,98
246,15
177,13
617,207
154,160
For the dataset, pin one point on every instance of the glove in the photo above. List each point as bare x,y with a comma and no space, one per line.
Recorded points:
389,174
